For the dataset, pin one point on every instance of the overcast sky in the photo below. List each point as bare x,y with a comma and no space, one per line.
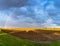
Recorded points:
30,13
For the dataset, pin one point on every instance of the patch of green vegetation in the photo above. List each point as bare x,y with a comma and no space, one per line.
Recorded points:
8,40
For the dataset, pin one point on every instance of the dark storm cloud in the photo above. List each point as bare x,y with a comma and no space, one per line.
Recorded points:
34,11
12,3
30,13
37,12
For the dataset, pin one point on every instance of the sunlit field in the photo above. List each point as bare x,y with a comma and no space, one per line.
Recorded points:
12,38
30,29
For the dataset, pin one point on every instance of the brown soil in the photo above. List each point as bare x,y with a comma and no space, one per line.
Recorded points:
37,36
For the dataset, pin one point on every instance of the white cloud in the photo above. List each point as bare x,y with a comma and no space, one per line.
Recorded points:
49,24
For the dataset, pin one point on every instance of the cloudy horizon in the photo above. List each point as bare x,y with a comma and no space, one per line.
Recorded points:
30,13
